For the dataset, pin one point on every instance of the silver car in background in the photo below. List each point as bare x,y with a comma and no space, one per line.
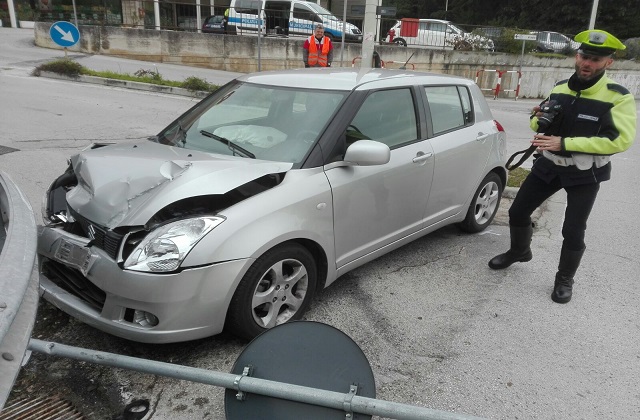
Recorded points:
436,34
262,194
555,42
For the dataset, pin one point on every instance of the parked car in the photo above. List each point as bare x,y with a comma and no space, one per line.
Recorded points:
262,194
214,25
436,33
291,18
547,41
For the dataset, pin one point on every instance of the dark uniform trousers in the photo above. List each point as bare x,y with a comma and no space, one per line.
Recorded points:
544,181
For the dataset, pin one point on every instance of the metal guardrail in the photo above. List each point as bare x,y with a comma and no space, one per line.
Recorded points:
347,402
18,281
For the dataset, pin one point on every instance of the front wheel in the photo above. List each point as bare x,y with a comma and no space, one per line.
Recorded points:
277,288
484,204
462,46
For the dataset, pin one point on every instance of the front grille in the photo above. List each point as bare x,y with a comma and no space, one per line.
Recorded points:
75,283
103,238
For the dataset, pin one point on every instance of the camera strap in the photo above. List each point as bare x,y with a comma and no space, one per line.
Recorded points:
525,155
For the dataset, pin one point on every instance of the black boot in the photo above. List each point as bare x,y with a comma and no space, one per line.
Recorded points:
563,286
520,248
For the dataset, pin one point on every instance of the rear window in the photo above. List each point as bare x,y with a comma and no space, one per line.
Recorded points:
450,107
213,19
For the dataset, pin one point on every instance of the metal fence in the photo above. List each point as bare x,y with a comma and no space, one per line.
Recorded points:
187,15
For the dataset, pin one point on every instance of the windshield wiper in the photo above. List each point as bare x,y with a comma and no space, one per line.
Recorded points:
232,146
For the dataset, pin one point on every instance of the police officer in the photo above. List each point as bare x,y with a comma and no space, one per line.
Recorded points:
591,119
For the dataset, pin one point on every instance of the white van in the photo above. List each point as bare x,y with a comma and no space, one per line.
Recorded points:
436,33
294,18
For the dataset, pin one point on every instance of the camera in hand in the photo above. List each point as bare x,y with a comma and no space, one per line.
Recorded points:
550,111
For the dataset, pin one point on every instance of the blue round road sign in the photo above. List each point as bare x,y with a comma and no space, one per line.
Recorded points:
64,33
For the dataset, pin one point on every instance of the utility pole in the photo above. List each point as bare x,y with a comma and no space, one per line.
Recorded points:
369,33
594,12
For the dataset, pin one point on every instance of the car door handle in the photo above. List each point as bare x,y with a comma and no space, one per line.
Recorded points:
482,136
422,157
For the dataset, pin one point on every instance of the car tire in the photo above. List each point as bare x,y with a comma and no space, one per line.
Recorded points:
484,205
463,46
277,288
401,42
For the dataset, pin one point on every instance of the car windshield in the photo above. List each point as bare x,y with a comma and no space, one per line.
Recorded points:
255,121
456,29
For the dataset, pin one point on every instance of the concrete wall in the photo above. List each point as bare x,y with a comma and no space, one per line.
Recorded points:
240,54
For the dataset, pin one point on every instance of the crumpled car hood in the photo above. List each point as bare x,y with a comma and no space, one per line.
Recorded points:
125,185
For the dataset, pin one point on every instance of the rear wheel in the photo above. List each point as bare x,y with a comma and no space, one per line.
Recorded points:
401,42
277,288
484,204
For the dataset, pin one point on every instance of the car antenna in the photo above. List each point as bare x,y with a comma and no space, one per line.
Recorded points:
404,66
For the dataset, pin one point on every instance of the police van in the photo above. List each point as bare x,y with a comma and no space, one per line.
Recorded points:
292,18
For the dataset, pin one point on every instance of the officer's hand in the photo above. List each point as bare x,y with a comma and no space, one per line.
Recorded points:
550,143
535,110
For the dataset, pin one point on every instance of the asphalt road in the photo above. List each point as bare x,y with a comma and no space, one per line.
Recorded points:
439,328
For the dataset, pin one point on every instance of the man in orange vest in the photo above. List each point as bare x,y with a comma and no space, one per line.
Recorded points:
317,49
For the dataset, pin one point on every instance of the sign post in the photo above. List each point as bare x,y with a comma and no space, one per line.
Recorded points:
524,38
65,34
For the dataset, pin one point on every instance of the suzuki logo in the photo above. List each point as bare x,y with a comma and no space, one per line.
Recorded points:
91,231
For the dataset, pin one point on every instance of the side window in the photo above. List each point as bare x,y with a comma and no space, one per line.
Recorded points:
424,26
387,116
302,12
446,108
247,6
438,27
557,38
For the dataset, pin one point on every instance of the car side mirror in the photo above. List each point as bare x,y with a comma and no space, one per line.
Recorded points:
367,153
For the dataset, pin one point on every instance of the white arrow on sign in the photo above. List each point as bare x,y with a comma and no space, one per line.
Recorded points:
67,36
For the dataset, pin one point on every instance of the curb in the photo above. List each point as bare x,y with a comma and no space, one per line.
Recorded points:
126,84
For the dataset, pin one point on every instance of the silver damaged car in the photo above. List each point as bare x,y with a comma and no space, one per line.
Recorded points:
262,194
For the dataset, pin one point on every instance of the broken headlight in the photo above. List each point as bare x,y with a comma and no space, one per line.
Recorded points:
165,248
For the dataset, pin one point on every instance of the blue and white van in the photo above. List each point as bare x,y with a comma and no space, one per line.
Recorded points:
293,18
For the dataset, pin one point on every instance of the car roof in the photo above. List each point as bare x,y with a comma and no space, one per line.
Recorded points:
346,79
435,20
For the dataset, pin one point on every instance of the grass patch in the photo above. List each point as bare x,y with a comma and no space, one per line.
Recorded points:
516,177
62,66
71,68
195,83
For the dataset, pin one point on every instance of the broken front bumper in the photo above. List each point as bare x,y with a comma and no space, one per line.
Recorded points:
85,282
